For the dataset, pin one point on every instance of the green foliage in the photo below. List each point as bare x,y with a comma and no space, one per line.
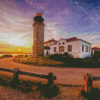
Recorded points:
51,91
93,62
26,55
60,57
96,56
94,94
38,61
62,60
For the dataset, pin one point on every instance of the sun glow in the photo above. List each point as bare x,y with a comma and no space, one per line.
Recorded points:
16,40
19,49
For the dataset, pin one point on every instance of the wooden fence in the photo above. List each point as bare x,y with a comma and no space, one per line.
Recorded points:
88,81
16,73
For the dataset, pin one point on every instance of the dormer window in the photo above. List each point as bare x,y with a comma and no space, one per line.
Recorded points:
63,43
52,42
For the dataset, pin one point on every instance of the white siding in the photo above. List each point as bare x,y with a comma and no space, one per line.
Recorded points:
85,54
52,49
57,46
76,48
61,44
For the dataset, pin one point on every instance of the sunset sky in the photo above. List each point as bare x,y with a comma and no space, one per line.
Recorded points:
63,18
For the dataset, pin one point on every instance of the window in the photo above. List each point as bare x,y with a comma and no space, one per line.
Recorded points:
89,49
69,48
59,43
47,52
86,48
52,42
82,48
61,49
63,43
54,49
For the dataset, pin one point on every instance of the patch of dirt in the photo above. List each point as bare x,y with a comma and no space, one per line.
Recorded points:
65,93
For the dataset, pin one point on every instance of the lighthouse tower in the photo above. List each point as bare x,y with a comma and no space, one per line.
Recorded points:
38,36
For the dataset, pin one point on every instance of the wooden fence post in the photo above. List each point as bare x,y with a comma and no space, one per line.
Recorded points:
50,79
16,74
88,82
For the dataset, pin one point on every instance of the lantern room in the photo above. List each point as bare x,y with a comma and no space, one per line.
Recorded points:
38,18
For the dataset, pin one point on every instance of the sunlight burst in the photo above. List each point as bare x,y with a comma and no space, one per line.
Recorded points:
19,49
16,40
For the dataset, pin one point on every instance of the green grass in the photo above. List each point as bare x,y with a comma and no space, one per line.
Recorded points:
38,61
30,86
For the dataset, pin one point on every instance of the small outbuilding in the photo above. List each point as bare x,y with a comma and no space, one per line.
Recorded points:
95,49
47,46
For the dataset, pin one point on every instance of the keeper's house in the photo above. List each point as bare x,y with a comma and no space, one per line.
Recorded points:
78,48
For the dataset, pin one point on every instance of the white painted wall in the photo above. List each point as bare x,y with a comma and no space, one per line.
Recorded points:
61,44
52,49
57,46
76,48
85,54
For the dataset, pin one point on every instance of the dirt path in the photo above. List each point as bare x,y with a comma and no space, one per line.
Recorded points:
68,76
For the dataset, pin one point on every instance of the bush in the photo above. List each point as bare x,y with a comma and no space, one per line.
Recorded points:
96,59
62,60
96,56
94,94
60,57
51,91
4,56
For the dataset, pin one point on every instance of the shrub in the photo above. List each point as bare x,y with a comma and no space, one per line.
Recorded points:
96,56
4,56
94,94
62,60
51,91
61,57
26,55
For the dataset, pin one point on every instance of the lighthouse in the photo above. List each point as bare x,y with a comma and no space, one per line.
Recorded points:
38,36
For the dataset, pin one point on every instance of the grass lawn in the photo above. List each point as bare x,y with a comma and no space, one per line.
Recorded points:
38,61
